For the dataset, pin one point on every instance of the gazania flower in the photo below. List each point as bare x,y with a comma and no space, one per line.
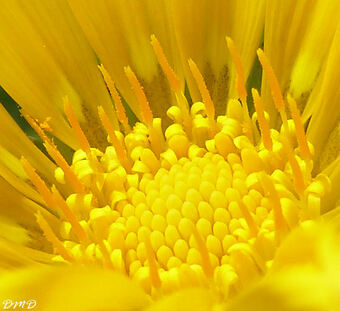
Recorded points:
222,196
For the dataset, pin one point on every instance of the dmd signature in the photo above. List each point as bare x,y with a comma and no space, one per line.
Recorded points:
23,304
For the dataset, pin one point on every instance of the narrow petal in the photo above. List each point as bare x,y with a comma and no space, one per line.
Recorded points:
12,231
326,112
297,38
314,48
12,172
14,144
14,255
332,199
17,215
120,31
37,33
246,32
202,38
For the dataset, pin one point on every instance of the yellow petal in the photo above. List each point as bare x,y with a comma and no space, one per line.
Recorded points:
20,210
333,216
305,275
14,144
120,31
246,32
311,244
12,172
294,289
314,47
187,299
326,112
47,51
72,288
202,38
297,38
12,231
332,199
13,255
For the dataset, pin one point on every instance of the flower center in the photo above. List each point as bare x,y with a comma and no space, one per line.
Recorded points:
207,202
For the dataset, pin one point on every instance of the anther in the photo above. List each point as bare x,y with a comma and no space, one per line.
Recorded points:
52,238
119,147
61,162
121,114
162,60
72,119
299,130
209,105
78,229
264,125
141,97
274,86
37,127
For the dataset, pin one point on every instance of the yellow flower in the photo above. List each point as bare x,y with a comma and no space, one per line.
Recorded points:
209,205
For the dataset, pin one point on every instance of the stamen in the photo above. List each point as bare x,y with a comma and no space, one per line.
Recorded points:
296,169
175,83
162,60
121,114
240,79
184,106
106,255
281,227
249,218
52,238
38,183
297,173
264,125
78,229
154,275
61,162
119,147
240,84
299,130
141,97
202,248
72,119
209,105
274,85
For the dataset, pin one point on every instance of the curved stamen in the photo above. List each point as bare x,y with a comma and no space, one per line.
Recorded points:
141,97
121,114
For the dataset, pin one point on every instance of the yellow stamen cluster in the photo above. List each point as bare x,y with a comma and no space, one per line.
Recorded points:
201,205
